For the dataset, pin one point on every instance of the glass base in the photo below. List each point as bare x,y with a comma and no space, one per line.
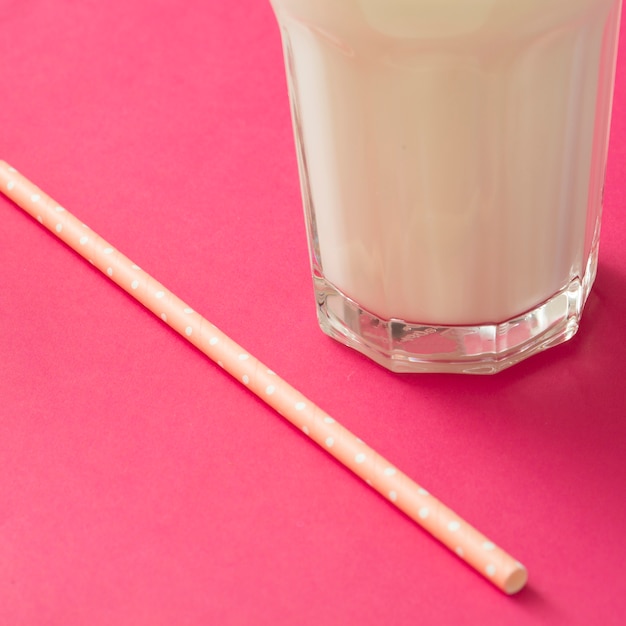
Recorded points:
402,346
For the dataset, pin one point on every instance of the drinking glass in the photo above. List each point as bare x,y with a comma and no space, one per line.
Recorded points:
451,159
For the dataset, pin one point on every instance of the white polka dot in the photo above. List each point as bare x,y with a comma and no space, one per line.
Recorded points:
58,228
159,294
359,440
135,284
390,471
10,185
213,340
135,267
393,496
330,442
35,197
59,209
164,317
110,271
454,526
188,331
329,420
305,430
270,389
108,251
12,169
300,406
423,492
188,310
489,546
243,357
490,569
271,373
459,551
424,512
246,379
360,458
83,240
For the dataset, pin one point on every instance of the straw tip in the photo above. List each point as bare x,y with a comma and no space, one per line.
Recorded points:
516,580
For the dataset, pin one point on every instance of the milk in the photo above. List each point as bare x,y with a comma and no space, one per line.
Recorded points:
452,158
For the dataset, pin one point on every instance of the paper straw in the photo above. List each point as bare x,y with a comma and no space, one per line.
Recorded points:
469,544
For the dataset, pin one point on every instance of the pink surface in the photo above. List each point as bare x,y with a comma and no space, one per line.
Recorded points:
142,485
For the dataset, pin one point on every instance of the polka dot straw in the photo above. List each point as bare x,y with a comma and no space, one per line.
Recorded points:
470,545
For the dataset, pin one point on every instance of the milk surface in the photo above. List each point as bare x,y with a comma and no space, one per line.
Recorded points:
452,151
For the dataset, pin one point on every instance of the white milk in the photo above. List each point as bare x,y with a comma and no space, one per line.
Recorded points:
450,148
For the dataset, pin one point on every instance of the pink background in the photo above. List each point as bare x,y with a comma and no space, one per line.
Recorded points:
141,485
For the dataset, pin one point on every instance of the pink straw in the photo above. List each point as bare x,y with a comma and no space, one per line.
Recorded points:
469,544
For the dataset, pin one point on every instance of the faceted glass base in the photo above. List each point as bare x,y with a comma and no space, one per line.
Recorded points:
402,346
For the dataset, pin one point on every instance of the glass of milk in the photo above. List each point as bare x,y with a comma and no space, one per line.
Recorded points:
452,157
